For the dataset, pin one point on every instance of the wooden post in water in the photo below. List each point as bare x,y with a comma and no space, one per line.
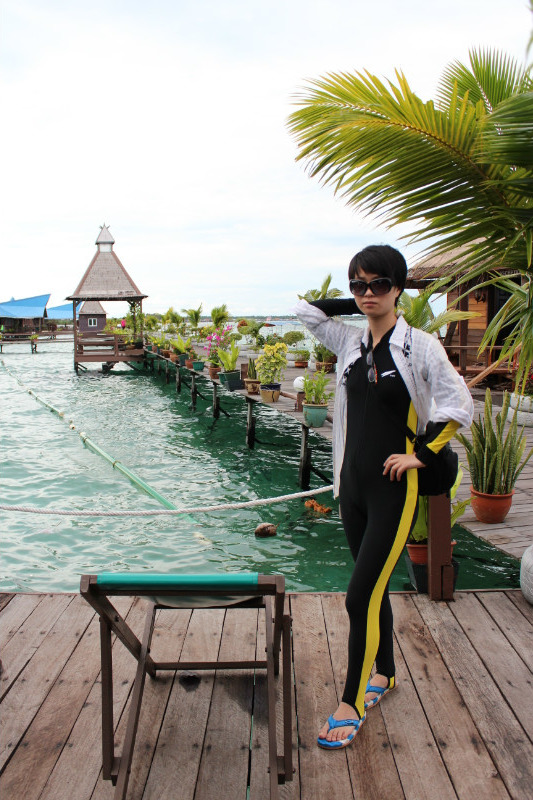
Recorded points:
440,567
178,379
194,390
216,402
75,330
167,372
250,424
304,471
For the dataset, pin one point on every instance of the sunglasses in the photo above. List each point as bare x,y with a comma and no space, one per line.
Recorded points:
372,373
378,286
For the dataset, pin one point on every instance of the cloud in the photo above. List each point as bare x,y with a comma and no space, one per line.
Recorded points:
168,122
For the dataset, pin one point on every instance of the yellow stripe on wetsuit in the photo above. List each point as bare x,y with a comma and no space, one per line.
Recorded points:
406,521
444,436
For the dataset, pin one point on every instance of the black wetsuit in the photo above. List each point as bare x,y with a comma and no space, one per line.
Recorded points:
377,513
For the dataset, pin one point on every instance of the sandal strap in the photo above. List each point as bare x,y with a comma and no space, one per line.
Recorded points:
344,723
376,689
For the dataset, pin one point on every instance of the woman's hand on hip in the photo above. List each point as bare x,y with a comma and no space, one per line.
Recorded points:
398,463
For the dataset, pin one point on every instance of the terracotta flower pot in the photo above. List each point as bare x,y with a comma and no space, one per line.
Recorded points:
491,508
324,366
418,552
301,364
188,363
214,372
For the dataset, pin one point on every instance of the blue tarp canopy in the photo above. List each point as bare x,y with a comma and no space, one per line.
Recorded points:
27,308
61,312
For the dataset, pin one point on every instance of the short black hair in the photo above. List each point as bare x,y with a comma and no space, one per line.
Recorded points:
382,260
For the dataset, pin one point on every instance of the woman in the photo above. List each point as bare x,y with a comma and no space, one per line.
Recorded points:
390,376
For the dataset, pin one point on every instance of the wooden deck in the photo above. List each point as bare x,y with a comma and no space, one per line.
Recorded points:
460,724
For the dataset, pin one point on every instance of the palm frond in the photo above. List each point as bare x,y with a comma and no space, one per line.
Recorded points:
491,77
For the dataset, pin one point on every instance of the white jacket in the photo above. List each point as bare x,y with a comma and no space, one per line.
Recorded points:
437,391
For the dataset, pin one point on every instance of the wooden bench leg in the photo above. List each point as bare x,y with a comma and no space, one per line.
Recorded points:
135,710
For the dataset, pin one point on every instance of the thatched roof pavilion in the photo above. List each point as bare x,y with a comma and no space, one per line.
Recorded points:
105,279
431,268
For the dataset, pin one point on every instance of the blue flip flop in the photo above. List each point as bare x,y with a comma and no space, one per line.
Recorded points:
380,692
341,723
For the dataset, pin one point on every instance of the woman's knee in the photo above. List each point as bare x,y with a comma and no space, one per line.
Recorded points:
356,603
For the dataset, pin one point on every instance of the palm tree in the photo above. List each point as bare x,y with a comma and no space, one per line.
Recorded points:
324,293
194,315
458,170
417,311
171,317
219,315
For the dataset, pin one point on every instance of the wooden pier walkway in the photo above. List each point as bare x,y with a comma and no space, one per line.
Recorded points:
458,727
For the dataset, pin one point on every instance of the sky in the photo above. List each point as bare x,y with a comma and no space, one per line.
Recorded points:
167,122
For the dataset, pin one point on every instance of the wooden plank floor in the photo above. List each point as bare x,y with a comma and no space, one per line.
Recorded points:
460,724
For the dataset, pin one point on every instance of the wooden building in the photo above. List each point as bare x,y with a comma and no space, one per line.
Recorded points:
463,338
106,279
24,316
92,317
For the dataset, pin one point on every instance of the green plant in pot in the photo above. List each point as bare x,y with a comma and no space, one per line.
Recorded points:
270,366
190,357
495,459
302,358
252,382
228,358
522,399
181,348
325,359
316,396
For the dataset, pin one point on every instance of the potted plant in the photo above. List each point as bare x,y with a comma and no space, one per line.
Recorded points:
270,366
213,366
197,364
495,459
164,347
315,407
417,544
181,348
228,358
325,359
522,400
302,358
190,355
252,382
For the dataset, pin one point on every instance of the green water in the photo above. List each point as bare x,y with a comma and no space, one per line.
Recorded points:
185,455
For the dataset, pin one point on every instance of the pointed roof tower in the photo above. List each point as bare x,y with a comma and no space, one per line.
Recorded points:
106,278
104,237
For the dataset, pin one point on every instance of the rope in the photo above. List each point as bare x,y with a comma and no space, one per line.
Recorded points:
157,512
115,463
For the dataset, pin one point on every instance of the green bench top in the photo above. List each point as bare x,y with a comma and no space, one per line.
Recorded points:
157,581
